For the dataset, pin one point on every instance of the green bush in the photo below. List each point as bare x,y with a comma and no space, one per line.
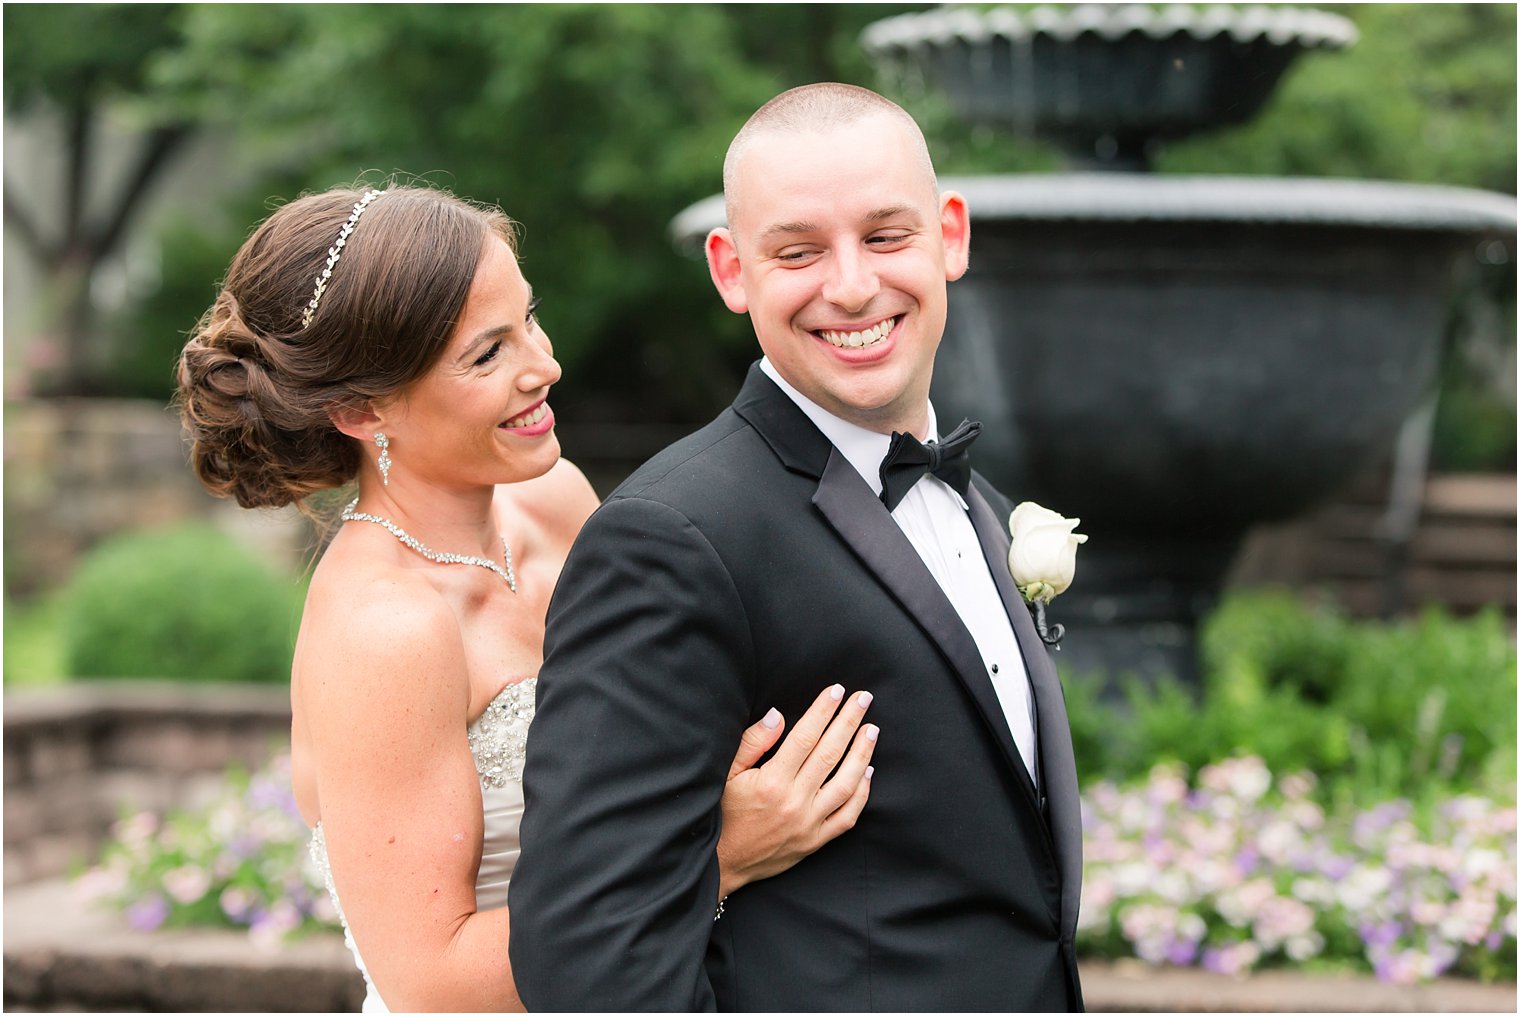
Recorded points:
1375,709
183,603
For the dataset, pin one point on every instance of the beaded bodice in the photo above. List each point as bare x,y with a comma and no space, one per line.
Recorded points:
498,741
499,737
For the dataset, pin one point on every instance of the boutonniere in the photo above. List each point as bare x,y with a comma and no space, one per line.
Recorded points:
1042,557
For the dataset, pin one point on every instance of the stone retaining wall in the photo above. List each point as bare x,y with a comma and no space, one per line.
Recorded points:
80,470
77,755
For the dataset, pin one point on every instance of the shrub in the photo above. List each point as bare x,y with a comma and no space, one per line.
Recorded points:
1419,708
183,603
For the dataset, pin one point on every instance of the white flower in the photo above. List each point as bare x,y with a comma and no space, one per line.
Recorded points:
1043,552
187,883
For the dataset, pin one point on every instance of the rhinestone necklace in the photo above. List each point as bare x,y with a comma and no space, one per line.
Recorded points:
510,577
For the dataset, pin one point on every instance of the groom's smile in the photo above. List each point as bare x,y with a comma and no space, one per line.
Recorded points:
858,338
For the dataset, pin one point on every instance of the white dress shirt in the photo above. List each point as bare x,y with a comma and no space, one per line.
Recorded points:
934,519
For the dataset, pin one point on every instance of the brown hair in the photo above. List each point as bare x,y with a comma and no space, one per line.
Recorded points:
255,388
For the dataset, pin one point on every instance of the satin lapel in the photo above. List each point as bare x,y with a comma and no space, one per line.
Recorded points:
1058,769
862,522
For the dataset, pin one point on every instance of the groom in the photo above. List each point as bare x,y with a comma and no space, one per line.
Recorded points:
757,561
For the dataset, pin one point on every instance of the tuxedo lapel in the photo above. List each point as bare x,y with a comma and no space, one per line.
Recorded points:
1058,771
864,524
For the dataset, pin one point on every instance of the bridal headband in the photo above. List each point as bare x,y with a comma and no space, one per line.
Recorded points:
334,253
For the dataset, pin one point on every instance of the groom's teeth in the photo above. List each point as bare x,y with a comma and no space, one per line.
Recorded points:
528,419
854,340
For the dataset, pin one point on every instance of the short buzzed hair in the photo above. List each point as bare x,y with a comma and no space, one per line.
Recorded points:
816,107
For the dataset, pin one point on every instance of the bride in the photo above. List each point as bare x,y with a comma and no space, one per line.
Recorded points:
388,337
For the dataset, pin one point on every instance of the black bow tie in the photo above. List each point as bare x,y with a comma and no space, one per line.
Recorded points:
908,460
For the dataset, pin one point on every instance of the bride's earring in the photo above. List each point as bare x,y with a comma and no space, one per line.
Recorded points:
384,444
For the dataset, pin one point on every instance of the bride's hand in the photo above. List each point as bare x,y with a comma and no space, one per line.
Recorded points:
776,814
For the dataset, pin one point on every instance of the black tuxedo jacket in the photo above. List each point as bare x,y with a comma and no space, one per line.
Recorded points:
745,567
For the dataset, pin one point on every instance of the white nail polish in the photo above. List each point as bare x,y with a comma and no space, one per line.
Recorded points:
837,692
863,699
872,732
770,720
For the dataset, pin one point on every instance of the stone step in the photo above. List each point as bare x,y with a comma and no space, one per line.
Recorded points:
60,956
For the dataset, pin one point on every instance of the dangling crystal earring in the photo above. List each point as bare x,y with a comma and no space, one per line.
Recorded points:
384,444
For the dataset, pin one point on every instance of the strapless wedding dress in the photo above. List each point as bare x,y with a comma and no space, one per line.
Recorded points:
498,741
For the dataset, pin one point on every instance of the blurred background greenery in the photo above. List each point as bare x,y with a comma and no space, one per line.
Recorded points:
594,125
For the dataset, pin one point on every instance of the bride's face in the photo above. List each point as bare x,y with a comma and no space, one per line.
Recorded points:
481,416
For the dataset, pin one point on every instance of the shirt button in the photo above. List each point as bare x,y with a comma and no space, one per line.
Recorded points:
994,668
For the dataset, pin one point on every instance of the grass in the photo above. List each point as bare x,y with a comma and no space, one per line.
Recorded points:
33,643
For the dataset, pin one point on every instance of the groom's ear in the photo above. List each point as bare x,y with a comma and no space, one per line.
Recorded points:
955,230
723,266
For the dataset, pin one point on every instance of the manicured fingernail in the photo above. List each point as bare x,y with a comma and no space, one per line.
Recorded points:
770,720
863,699
837,692
870,771
872,731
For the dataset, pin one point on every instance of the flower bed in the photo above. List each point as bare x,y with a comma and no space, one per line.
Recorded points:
1232,874
240,862
1229,873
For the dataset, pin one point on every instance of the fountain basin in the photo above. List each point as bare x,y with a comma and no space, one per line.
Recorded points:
1104,81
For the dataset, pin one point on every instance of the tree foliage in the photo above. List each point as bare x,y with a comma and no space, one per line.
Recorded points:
78,61
1426,95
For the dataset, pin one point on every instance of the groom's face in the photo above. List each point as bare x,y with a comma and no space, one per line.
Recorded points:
839,249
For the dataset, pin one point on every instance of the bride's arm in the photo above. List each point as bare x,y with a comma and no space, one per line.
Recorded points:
386,697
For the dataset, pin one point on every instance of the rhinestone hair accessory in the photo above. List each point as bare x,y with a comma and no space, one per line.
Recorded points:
334,253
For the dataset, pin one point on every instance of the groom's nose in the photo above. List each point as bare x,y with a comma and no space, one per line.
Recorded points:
851,282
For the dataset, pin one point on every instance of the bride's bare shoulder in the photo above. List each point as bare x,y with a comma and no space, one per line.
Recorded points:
559,502
373,636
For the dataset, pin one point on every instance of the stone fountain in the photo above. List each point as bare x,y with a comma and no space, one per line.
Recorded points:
1174,359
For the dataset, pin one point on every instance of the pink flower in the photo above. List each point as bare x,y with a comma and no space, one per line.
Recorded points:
187,883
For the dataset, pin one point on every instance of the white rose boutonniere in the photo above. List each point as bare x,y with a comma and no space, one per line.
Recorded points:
1042,557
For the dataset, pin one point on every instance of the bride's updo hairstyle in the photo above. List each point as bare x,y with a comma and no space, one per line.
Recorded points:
256,384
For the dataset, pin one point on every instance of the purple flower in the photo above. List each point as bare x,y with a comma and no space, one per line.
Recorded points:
265,793
238,904
148,913
1376,936
243,846
1336,867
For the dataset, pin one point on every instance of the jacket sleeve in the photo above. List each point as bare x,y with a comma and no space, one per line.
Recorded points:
642,698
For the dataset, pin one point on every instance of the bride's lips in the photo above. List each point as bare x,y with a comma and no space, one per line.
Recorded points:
534,421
